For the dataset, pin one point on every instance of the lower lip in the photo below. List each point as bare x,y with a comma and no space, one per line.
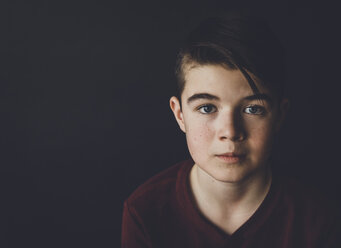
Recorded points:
230,159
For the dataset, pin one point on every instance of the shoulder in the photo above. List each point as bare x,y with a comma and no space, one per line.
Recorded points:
306,194
315,208
153,204
304,213
159,190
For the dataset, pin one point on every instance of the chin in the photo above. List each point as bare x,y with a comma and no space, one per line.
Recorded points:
230,178
232,174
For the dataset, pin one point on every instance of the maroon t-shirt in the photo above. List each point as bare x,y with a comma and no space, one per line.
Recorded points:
161,213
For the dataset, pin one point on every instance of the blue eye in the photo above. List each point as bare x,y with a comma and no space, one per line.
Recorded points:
254,110
207,109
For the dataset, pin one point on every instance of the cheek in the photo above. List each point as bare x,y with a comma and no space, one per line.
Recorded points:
261,139
199,138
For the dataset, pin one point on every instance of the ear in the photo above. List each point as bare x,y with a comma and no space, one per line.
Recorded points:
283,110
176,108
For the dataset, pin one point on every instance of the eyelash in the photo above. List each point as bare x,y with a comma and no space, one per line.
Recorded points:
206,105
260,110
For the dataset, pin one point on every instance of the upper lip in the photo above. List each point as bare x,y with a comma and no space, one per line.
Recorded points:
230,154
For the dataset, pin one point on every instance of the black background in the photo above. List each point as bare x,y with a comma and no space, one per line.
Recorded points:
84,108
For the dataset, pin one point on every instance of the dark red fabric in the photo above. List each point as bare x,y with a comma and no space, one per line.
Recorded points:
161,213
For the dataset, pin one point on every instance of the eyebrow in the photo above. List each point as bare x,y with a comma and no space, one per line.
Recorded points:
202,96
207,96
260,97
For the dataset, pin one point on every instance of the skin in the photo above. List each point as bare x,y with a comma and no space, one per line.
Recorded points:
229,135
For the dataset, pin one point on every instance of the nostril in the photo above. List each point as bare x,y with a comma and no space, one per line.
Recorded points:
238,137
230,126
233,134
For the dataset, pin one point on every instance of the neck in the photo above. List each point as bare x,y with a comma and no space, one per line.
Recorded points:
229,198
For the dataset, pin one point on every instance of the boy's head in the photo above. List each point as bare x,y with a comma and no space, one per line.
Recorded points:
230,76
235,41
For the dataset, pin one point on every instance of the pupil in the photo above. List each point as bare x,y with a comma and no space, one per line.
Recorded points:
253,110
207,108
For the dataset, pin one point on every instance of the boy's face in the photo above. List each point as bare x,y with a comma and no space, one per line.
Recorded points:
229,131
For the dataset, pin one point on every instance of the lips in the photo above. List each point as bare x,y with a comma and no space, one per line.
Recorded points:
231,157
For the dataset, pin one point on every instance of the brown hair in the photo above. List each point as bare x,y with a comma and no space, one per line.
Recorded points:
235,41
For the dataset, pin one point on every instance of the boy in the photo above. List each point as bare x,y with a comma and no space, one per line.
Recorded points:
230,106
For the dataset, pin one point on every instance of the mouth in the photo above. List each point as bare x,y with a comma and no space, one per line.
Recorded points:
230,157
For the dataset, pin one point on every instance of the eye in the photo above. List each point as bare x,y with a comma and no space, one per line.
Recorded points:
207,109
255,110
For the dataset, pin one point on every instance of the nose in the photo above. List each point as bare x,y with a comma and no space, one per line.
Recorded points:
230,127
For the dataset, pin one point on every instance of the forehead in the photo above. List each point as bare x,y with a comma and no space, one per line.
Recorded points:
217,80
